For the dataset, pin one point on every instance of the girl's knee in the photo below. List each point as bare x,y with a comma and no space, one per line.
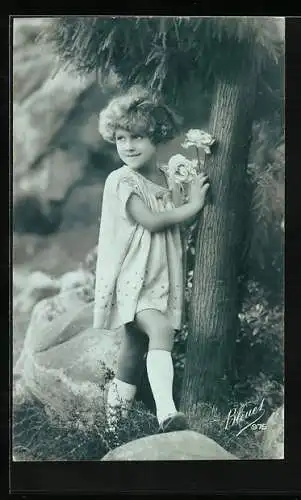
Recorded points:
162,340
161,337
157,328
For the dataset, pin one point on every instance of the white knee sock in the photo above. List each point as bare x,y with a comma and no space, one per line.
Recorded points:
160,375
119,400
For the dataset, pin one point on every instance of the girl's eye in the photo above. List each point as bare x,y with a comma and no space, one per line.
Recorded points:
137,137
120,138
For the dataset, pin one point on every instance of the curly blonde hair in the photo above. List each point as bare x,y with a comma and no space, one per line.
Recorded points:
141,113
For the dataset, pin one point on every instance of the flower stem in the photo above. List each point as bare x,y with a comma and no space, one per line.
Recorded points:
198,157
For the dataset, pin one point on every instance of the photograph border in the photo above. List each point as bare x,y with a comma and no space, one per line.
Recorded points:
205,477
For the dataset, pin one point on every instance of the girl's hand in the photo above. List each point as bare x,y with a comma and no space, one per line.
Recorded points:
198,189
155,222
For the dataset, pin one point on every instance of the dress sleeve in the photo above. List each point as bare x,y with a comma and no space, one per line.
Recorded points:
115,237
126,186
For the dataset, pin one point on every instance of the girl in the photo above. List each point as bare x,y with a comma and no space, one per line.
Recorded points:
139,276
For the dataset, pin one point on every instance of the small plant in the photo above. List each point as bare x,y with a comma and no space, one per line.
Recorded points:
260,344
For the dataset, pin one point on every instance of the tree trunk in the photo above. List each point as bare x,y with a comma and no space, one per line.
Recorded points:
215,294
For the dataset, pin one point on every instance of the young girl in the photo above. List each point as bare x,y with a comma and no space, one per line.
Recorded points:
139,276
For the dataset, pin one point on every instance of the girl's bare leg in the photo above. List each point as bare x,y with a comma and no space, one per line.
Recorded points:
130,361
123,387
160,366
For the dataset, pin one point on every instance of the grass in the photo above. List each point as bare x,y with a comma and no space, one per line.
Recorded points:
40,435
207,419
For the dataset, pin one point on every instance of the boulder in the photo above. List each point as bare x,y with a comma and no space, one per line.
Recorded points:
55,130
28,290
55,254
181,445
38,286
52,309
83,208
52,179
65,364
78,278
20,280
41,116
26,81
273,437
25,30
24,248
91,259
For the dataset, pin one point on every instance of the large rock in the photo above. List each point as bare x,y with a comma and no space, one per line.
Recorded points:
83,208
183,445
25,30
55,134
65,363
78,278
54,312
55,254
38,286
41,116
50,179
273,437
31,288
36,335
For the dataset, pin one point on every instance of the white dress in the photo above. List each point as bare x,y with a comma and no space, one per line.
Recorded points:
136,269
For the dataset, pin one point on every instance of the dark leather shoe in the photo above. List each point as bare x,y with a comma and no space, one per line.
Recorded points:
176,422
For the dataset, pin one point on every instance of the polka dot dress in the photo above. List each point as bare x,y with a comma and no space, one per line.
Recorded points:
136,269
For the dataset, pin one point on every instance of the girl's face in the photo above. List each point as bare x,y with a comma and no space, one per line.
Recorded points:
134,150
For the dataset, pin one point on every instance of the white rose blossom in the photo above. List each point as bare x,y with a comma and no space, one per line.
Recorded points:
181,169
199,139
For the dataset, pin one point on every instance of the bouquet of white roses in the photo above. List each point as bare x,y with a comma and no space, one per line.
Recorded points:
182,170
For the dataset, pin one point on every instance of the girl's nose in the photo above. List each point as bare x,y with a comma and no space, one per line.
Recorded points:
129,145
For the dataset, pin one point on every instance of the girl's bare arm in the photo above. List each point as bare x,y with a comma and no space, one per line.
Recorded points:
155,222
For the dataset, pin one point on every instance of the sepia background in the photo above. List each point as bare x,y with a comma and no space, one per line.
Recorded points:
60,164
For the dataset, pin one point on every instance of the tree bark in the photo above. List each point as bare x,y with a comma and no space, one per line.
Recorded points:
215,295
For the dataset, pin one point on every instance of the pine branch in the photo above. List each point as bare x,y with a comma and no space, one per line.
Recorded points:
160,52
